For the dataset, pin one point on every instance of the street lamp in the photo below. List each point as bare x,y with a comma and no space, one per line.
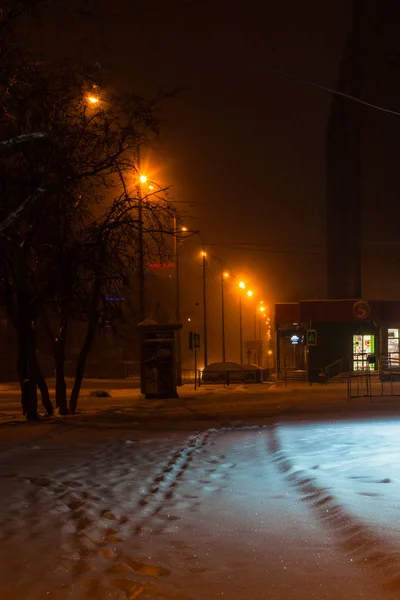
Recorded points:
262,309
223,275
177,301
242,286
204,258
93,100
141,179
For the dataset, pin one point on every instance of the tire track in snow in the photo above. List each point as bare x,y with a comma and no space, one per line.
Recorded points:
359,541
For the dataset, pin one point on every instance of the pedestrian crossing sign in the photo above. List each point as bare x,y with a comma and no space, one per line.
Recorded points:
311,337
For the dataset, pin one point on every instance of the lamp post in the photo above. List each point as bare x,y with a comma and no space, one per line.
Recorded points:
204,256
261,309
242,286
224,275
142,179
177,305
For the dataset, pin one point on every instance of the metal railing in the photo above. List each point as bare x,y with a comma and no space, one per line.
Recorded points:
377,379
338,367
292,375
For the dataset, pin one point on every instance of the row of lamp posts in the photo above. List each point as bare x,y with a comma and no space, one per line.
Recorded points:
141,179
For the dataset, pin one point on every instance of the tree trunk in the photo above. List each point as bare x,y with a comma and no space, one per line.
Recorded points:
61,387
80,367
44,390
58,349
26,362
87,345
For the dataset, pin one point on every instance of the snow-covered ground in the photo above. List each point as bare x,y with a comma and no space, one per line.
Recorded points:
180,500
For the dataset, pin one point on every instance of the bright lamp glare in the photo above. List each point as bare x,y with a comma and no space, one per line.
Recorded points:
93,100
143,179
242,285
249,293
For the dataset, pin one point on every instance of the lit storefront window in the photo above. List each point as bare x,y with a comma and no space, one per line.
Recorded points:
363,345
393,347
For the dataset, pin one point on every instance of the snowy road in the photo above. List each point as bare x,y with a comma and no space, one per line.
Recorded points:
232,513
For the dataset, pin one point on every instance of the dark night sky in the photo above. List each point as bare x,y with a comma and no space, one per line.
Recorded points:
245,144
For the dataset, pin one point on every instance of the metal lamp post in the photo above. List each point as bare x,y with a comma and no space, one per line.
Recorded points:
204,256
177,307
141,179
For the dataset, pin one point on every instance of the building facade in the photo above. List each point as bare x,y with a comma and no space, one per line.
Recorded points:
355,335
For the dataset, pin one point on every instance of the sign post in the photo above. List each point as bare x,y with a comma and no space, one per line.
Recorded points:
311,340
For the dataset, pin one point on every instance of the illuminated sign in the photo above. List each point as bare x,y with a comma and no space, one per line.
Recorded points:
295,339
160,265
361,309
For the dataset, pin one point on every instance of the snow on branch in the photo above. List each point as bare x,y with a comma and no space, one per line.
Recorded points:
21,209
21,139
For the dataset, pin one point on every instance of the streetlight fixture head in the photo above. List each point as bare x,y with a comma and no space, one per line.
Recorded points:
142,178
151,187
249,293
184,228
93,99
226,274
242,285
203,253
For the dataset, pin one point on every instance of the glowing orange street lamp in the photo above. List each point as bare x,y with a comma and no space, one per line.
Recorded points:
249,293
142,178
93,100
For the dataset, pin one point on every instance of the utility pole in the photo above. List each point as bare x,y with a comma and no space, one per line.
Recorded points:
142,307
177,307
205,306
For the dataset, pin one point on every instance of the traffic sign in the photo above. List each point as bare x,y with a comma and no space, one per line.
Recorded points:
194,340
311,337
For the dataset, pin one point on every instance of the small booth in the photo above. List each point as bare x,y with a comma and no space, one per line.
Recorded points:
157,357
